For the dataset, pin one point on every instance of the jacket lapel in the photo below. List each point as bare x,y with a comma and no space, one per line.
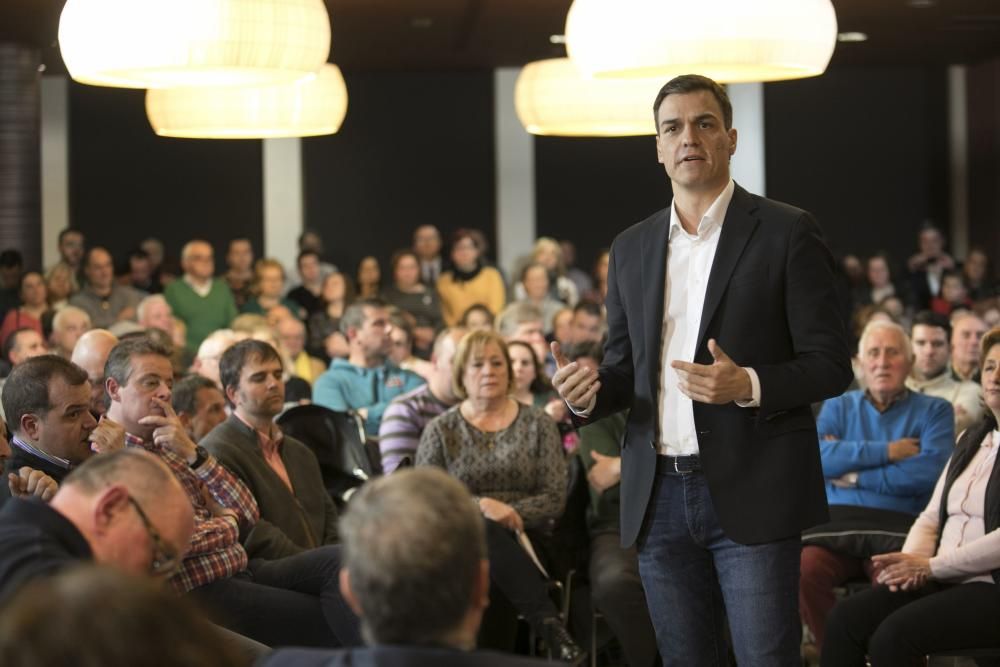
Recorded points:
737,228
653,273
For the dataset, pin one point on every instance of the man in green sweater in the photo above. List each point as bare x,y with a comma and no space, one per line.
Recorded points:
203,302
296,512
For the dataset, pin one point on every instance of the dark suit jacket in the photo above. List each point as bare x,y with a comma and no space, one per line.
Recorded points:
771,304
394,656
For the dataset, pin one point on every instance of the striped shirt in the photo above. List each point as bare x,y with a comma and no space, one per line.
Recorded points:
403,422
215,551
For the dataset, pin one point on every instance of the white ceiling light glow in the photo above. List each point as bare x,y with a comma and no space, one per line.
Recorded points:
304,108
730,41
162,43
552,98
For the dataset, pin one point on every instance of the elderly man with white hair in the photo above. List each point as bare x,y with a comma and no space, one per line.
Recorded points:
882,449
68,325
206,362
154,311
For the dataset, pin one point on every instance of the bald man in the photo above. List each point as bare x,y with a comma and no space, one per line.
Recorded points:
90,354
204,303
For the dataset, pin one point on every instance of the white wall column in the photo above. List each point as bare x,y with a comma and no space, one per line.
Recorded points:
54,164
958,160
283,207
515,174
748,166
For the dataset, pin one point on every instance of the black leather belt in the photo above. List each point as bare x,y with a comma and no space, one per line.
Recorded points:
672,465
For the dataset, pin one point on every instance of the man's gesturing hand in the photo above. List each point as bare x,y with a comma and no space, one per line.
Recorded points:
719,383
170,432
575,384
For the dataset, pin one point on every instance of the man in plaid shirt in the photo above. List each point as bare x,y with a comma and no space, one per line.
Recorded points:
289,601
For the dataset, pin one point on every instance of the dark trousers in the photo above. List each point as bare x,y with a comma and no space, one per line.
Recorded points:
293,601
616,590
899,629
695,577
822,571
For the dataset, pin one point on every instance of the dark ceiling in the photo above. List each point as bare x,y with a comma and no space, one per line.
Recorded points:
461,34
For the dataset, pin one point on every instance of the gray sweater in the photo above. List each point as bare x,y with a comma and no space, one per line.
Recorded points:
289,522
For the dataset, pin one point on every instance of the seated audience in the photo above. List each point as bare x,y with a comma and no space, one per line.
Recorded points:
583,282
206,362
534,285
562,327
881,450
407,415
68,324
104,511
239,270
365,382
90,354
401,350
292,337
409,294
927,265
155,312
510,458
139,274
11,268
203,302
979,280
307,293
33,313
548,253
296,512
369,278
24,481
46,401
105,301
530,384
288,601
60,285
930,335
953,295
477,317
416,571
427,248
967,330
21,345
939,592
325,338
469,282
268,289
106,618
71,245
311,240
199,405
153,247
523,322
588,323
879,283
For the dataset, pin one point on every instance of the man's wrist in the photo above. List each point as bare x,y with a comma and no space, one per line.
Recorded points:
198,457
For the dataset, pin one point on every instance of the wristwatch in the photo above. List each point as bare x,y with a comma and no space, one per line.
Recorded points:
200,456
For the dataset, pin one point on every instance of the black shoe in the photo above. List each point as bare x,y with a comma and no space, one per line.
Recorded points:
561,645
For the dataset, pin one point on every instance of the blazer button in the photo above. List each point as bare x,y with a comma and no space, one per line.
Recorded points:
652,445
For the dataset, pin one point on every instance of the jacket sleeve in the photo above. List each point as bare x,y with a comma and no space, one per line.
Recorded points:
617,372
267,540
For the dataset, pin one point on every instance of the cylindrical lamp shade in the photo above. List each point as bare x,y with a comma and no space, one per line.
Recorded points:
306,108
552,97
165,43
730,41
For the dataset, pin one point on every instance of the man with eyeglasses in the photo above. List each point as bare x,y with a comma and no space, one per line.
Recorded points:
204,302
124,509
288,601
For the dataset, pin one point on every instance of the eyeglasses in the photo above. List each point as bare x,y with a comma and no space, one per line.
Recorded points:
165,559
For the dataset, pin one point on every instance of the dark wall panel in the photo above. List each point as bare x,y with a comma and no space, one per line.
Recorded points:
864,149
415,148
983,98
126,183
588,190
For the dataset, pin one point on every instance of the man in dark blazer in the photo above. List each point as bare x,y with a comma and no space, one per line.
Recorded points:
415,571
723,328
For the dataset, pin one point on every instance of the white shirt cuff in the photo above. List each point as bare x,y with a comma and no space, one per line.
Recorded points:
586,411
754,401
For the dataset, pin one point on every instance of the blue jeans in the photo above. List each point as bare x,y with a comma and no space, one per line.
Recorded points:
694,577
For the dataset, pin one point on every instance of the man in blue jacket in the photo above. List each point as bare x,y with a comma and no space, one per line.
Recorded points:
882,448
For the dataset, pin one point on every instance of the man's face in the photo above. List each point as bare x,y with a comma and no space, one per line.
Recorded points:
586,327
966,333
152,378
536,283
29,344
292,335
442,362
931,243
240,256
210,411
373,335
878,272
199,263
140,269
149,530
261,391
532,333
64,429
401,348
309,269
271,282
884,362
158,314
427,242
71,248
100,269
692,142
930,350
73,325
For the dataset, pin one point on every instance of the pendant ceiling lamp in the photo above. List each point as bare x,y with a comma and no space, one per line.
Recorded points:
552,97
162,43
305,108
730,41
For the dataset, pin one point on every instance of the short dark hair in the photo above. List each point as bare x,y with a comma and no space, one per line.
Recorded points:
306,253
10,258
477,308
397,256
354,314
27,388
185,393
691,83
585,350
119,363
588,308
10,342
237,356
66,232
928,318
